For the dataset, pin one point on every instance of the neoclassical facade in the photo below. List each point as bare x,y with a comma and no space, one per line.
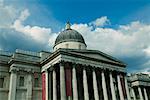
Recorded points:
70,72
139,86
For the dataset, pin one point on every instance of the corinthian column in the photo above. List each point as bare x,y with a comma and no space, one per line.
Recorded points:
127,88
12,86
133,93
112,87
54,86
140,93
104,86
74,84
96,96
85,85
145,94
62,83
120,88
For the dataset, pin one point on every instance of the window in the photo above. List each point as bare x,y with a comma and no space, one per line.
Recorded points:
21,81
36,82
1,82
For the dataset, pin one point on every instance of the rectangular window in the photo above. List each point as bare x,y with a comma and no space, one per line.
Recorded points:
36,82
1,82
21,81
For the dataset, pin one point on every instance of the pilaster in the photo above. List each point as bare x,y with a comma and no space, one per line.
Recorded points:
12,86
29,87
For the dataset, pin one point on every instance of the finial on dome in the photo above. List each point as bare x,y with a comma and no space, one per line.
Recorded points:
68,25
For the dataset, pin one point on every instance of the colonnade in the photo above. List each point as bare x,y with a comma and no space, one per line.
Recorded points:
142,96
123,93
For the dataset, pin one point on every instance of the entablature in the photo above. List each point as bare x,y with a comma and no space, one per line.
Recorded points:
83,61
26,68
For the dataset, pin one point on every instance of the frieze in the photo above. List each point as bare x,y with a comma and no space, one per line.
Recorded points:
26,68
84,62
91,63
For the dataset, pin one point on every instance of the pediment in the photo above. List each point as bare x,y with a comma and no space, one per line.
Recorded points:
95,55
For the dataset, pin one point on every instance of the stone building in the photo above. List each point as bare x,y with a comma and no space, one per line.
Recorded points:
139,86
70,72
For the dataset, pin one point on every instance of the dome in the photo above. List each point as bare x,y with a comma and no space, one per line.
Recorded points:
69,35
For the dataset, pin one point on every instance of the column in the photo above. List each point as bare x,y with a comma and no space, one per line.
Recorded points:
85,85
29,87
50,85
120,88
54,86
127,88
12,86
112,87
46,81
96,95
133,93
104,86
62,83
140,93
74,84
145,94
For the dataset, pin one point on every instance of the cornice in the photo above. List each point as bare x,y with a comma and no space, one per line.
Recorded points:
62,56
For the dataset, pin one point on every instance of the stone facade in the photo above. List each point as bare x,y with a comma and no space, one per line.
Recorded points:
139,86
20,75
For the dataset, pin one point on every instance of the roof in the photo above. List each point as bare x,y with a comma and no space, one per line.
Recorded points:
93,55
69,35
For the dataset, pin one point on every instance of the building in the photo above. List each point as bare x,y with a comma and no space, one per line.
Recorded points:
70,72
139,86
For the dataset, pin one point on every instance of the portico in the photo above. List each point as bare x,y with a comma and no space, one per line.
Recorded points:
78,77
75,73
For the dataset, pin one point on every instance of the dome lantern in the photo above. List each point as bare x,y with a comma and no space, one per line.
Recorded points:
68,25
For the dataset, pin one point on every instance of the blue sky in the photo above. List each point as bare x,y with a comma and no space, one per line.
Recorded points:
120,28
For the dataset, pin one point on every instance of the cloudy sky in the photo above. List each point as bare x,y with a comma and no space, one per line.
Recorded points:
120,28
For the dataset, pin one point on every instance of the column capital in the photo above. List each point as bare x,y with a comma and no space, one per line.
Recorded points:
73,65
62,63
13,69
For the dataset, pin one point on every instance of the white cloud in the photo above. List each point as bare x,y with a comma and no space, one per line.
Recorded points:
127,40
147,50
101,21
130,41
39,34
7,14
